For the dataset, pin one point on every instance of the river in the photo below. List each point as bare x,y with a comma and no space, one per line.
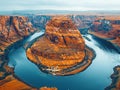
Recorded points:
95,77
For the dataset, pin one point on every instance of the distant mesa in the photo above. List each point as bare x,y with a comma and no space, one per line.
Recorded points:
62,50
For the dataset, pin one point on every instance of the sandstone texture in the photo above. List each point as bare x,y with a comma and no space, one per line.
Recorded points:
115,85
61,47
11,83
12,29
107,27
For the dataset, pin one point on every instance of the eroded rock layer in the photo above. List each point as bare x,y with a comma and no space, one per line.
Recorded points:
107,27
12,29
115,85
10,83
60,48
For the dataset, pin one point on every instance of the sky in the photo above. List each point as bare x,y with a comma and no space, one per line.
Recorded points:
78,5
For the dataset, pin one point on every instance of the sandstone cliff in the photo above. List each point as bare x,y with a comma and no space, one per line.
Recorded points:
10,83
12,29
115,85
107,28
61,48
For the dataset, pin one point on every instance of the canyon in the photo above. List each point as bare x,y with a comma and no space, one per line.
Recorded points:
13,29
107,28
61,50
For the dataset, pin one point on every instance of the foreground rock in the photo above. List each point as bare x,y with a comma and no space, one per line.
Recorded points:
12,29
107,28
47,88
10,83
115,79
61,51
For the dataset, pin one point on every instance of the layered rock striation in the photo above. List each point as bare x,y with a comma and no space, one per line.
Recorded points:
10,83
107,28
12,29
61,49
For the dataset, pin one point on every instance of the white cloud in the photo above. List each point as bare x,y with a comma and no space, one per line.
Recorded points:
60,4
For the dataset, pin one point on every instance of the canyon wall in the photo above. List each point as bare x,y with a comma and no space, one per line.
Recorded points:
12,29
107,27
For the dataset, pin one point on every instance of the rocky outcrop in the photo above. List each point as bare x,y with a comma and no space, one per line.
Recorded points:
47,88
115,85
61,47
107,28
11,83
12,29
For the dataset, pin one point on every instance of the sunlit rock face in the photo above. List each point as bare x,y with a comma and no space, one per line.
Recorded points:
60,48
12,29
11,83
62,31
107,27
115,85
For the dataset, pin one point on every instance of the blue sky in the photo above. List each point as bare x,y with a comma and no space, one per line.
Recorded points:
59,4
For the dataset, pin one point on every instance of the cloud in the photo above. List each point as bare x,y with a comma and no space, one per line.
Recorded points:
59,4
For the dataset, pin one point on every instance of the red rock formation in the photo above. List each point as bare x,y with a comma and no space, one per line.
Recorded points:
115,85
10,83
46,88
62,46
12,29
107,27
